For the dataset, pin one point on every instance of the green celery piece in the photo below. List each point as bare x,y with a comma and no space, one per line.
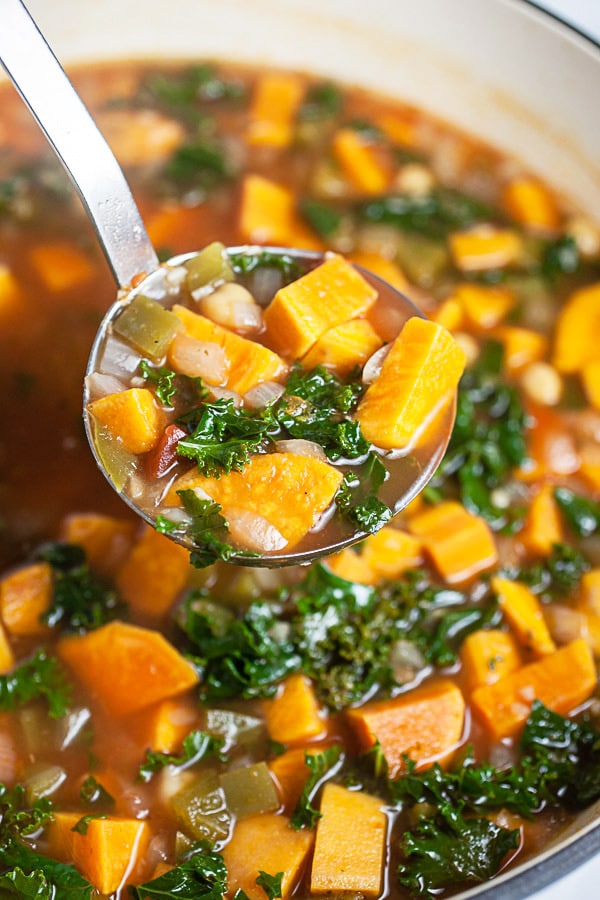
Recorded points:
117,461
234,728
422,258
209,267
147,326
249,790
201,810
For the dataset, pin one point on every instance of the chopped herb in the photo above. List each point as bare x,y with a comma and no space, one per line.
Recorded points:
320,764
246,263
207,530
80,601
322,388
197,745
202,877
82,825
357,497
92,793
322,101
16,818
168,383
271,884
323,218
40,676
487,442
224,437
582,513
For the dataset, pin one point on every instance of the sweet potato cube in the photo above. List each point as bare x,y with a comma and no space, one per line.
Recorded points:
577,333
290,772
460,544
524,615
343,348
449,314
522,346
60,265
290,491
275,100
127,668
419,375
105,539
358,161
266,211
294,715
561,681
7,657
164,726
383,267
532,205
543,524
488,655
153,574
484,247
301,312
590,377
131,416
484,306
25,595
350,843
106,853
10,294
265,843
425,724
383,555
249,363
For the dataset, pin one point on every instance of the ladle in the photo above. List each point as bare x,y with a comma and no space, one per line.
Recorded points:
38,76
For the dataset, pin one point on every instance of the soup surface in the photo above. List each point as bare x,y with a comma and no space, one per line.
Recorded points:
406,718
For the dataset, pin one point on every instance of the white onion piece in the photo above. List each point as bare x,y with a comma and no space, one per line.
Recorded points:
253,531
372,367
301,448
263,394
118,359
99,385
199,359
175,276
175,514
221,393
234,307
265,284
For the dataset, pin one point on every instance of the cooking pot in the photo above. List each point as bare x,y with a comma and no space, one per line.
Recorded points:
502,70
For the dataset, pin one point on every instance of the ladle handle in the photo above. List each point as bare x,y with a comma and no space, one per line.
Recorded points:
40,79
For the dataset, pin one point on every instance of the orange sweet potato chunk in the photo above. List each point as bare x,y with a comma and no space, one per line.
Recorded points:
487,655
532,205
425,724
265,843
350,843
386,554
294,715
419,374
132,416
61,265
106,853
343,348
275,100
301,312
105,539
543,524
153,574
164,726
249,363
524,615
290,491
561,681
25,595
577,334
125,667
358,162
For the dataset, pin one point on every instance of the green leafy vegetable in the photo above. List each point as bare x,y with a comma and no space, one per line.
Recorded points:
199,83
246,263
197,745
487,442
202,877
555,575
434,215
168,384
271,884
16,818
80,601
92,793
207,528
560,257
82,825
322,101
582,513
323,218
200,163
357,497
39,677
320,764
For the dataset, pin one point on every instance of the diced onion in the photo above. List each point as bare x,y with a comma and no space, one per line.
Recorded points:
265,283
99,385
118,359
263,394
253,531
233,306
221,393
301,447
372,367
175,514
565,623
199,359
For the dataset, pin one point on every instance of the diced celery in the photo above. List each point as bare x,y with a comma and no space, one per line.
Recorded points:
209,267
201,810
40,733
117,461
148,326
42,780
422,259
249,790
235,728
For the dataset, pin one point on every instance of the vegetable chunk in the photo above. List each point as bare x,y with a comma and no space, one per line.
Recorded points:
350,843
25,595
524,615
419,374
127,667
154,574
290,491
488,655
577,337
294,715
344,347
265,843
274,103
425,724
561,681
106,853
301,312
132,416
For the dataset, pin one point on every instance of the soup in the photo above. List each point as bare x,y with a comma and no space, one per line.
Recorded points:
407,717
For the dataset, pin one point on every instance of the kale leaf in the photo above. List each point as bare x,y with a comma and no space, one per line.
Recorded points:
322,101
80,601
207,528
201,163
202,877
38,677
434,215
487,442
323,218
197,745
357,498
582,513
245,263
320,764
557,574
271,884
